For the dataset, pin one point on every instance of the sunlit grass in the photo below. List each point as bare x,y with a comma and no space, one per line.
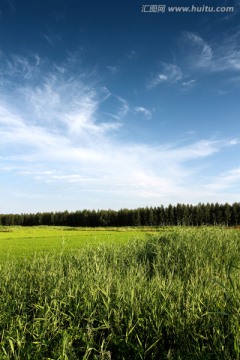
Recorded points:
22,241
174,295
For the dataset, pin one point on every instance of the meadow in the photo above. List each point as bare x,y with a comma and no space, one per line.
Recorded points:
20,241
141,293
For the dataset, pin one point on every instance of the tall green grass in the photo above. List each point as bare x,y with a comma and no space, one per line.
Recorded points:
171,296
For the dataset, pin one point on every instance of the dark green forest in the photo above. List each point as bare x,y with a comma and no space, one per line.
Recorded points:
180,214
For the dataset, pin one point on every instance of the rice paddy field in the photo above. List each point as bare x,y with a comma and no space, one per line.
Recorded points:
26,241
141,293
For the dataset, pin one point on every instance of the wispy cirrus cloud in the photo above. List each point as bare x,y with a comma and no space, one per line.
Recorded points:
124,108
168,73
18,66
57,138
225,181
95,161
188,83
142,110
113,106
200,52
215,56
228,52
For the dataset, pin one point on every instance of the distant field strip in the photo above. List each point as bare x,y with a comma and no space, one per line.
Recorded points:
23,241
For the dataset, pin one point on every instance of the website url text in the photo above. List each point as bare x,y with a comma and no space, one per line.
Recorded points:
186,9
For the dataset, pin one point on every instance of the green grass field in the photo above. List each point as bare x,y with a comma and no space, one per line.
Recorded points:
119,294
24,241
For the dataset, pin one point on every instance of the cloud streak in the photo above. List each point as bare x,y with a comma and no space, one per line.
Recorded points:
213,57
200,52
142,110
169,73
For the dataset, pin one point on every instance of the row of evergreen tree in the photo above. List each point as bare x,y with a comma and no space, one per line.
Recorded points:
181,214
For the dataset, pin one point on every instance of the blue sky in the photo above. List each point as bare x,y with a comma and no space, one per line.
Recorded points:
105,106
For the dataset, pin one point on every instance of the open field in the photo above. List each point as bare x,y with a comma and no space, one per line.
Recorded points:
171,294
22,241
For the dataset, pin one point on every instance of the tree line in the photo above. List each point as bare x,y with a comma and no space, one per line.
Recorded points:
171,215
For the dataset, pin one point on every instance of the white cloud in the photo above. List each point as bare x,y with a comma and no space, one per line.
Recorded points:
53,141
124,107
8,119
95,164
234,142
199,51
227,52
142,110
117,106
188,83
18,66
215,57
168,73
225,181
